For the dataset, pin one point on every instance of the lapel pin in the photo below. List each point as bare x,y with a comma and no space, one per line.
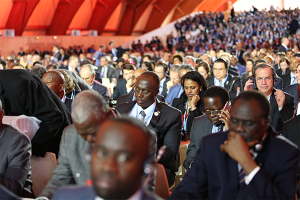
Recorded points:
156,113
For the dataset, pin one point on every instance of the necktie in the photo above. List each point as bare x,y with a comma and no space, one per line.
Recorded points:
220,83
294,80
142,116
220,127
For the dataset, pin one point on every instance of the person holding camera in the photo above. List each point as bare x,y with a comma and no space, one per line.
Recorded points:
282,104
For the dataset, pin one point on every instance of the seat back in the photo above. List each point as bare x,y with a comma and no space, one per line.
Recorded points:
41,171
161,182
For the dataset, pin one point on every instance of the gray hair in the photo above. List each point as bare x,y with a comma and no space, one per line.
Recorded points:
91,67
187,66
207,56
174,68
191,57
87,103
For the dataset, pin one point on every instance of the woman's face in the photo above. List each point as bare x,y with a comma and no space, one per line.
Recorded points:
249,66
203,72
283,66
191,88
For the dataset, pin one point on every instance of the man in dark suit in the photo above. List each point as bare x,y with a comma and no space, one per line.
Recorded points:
87,73
239,53
55,51
15,157
215,99
290,78
284,45
164,120
106,70
117,52
124,85
223,79
250,161
293,90
23,93
161,70
123,149
89,110
282,104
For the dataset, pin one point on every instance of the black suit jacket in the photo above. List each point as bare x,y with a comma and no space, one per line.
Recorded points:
66,57
201,127
177,103
165,89
241,60
120,51
282,49
286,78
23,93
293,90
120,89
214,174
291,130
279,72
166,123
102,90
277,118
128,97
230,85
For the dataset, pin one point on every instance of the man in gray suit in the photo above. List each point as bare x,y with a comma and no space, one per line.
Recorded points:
215,99
122,153
15,148
88,111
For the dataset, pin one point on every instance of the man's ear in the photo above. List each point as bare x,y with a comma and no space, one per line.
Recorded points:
61,87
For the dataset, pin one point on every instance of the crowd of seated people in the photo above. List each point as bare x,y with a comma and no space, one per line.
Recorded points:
106,114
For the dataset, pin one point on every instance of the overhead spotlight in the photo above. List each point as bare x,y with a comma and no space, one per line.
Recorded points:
37,37
54,37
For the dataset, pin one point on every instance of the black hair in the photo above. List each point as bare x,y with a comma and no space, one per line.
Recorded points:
39,71
259,61
127,66
37,62
148,65
217,91
222,60
197,77
261,100
155,77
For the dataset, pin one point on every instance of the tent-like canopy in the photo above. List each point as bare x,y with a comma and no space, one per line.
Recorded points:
108,17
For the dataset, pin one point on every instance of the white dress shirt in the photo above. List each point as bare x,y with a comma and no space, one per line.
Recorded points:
135,112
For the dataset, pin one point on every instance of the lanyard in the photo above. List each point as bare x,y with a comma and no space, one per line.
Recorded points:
185,116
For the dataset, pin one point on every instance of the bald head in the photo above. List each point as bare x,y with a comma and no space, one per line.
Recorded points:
55,81
151,77
137,74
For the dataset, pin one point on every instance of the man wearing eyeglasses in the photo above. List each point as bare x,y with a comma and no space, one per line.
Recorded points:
164,120
224,79
215,120
87,73
282,104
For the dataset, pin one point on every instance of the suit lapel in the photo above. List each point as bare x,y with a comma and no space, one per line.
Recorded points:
232,179
227,82
129,97
208,126
156,114
126,107
273,104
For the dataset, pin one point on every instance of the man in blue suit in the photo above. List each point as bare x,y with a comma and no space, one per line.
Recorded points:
250,161
234,64
122,151
175,91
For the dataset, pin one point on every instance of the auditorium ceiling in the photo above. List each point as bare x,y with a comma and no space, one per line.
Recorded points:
107,17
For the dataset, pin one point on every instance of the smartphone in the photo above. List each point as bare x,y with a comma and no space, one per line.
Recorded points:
227,107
